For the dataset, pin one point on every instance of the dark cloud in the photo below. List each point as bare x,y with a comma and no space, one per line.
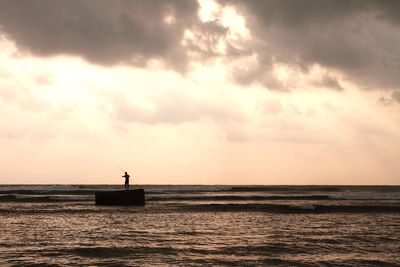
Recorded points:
252,72
359,38
330,82
396,96
101,31
392,99
384,101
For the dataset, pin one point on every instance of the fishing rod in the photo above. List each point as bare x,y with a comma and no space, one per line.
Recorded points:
118,168
121,168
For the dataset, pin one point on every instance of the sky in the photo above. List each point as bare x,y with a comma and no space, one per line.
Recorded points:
200,92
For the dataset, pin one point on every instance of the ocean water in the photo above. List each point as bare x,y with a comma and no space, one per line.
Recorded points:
59,225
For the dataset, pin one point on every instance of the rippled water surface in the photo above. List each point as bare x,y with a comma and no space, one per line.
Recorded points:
197,231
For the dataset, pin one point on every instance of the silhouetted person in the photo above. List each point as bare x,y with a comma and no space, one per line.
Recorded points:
126,176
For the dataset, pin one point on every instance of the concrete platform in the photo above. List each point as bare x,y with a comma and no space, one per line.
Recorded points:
134,197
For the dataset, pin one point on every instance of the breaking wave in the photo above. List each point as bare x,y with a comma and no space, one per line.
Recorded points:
272,208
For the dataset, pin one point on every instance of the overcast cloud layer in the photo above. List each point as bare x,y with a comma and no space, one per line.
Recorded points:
357,40
360,39
103,32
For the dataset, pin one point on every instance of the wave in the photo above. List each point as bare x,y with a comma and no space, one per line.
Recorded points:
178,208
284,188
273,254
267,198
236,197
219,188
393,196
7,188
51,198
183,189
187,189
84,189
209,193
272,208
62,197
47,190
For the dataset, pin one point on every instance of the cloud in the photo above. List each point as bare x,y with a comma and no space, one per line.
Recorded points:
396,96
359,39
11,94
174,108
103,32
329,81
384,101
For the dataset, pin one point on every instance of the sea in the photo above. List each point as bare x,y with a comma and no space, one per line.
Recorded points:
193,225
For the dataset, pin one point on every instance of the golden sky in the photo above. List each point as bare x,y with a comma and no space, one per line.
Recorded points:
208,92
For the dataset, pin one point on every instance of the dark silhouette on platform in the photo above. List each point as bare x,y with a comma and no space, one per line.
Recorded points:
121,198
126,176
